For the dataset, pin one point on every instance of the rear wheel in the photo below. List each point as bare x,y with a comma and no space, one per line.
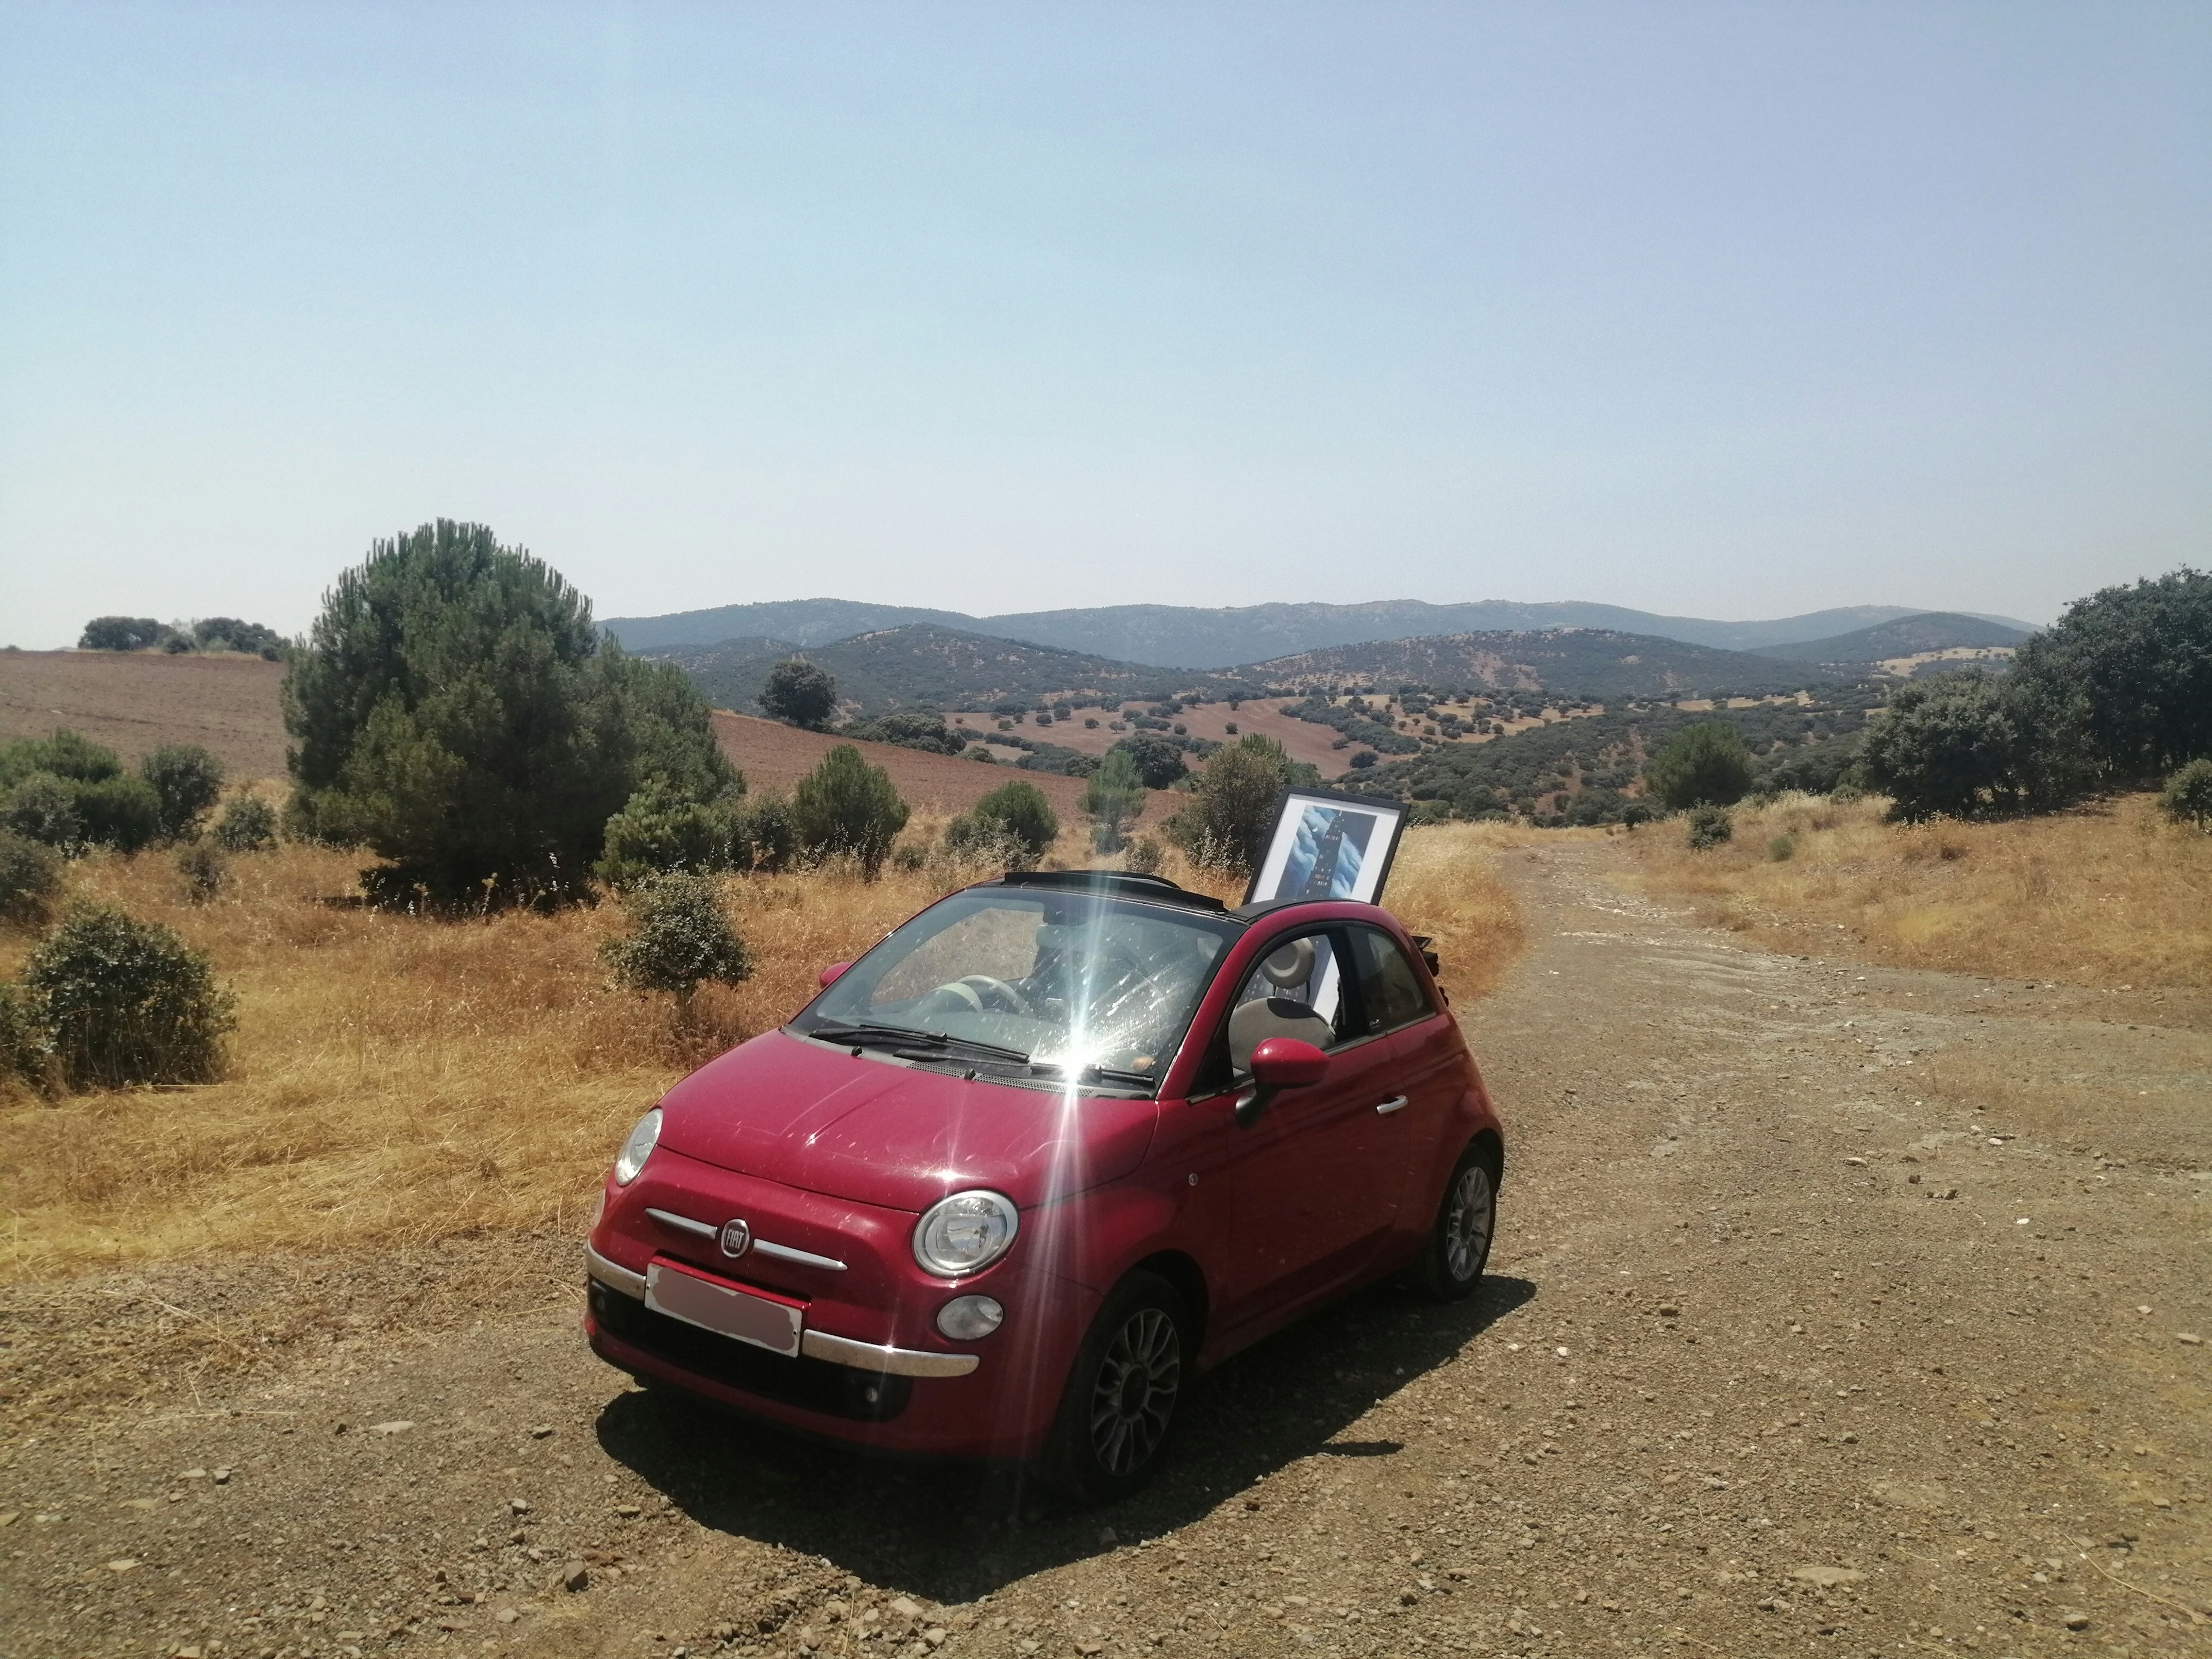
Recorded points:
1459,1243
1122,1394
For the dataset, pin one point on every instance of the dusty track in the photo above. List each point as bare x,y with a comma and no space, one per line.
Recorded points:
1741,1385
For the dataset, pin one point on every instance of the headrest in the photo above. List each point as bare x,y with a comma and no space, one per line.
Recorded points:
1292,965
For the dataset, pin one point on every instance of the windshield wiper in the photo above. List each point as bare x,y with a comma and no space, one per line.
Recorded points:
941,1047
1104,1073
874,1036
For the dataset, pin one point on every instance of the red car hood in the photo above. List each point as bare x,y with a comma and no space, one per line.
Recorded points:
877,1132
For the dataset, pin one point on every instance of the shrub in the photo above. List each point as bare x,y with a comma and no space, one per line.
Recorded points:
1091,725
911,729
30,876
767,836
121,633
1781,849
43,808
456,709
124,813
2120,689
1232,806
2187,797
1144,858
659,832
1231,727
248,824
229,634
1701,765
187,781
1159,760
1951,745
976,842
1709,827
125,1001
1114,798
908,856
1363,759
204,869
846,806
64,754
1025,814
681,936
27,1050
800,694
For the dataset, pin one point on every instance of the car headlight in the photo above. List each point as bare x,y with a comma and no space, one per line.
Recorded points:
964,1234
638,1148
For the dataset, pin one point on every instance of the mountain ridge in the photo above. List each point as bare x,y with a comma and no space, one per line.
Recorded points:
1211,639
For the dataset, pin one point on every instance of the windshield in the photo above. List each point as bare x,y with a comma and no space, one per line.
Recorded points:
1054,980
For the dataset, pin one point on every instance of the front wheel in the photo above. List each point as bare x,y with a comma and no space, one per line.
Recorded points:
1459,1243
1122,1394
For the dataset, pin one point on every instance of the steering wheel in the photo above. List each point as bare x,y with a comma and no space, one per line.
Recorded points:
972,988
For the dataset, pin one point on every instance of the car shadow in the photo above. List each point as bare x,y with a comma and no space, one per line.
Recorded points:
952,1532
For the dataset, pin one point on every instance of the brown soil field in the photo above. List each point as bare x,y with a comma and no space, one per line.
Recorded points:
136,701
1835,1309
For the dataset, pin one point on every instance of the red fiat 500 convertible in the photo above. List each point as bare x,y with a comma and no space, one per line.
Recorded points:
1054,1145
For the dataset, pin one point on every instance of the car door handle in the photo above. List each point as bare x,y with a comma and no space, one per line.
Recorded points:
1394,1103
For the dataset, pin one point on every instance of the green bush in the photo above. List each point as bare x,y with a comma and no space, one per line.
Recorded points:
681,937
846,806
66,754
973,840
799,693
1709,827
1955,746
1233,804
248,824
659,832
123,813
187,781
1114,798
1159,760
204,868
1782,848
456,709
30,877
42,807
767,836
2187,797
1701,765
1025,814
1144,857
122,634
125,1001
27,1050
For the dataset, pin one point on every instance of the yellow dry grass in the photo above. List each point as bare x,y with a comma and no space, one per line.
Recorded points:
2110,895
397,1081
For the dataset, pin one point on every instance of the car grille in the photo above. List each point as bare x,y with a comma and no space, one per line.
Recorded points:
814,1385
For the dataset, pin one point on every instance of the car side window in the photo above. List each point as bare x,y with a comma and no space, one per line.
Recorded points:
1390,990
1295,990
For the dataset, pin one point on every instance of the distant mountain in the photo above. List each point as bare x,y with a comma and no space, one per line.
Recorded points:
1599,663
940,667
1190,637
1907,636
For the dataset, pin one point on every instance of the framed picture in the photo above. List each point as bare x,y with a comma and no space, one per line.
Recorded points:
1328,845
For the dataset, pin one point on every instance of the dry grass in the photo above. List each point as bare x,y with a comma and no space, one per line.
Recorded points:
2108,896
396,1082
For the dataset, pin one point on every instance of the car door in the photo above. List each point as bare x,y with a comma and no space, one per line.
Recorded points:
1430,1061
1318,1172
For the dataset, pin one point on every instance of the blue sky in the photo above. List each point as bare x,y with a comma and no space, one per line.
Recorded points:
1732,311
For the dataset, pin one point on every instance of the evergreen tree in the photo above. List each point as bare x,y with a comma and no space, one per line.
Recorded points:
846,806
1232,806
1115,798
455,710
800,694
1701,765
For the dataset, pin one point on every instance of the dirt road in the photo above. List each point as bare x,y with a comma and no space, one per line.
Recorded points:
1835,1310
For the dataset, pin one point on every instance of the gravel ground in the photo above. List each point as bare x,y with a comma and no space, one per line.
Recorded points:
1835,1310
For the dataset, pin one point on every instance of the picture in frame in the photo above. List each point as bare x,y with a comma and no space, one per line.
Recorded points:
1328,845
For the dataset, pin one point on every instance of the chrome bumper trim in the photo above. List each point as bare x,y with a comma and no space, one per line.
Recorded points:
670,1218
895,1362
614,1278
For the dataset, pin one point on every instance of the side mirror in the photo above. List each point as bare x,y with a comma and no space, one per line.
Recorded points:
1288,1063
829,975
1279,1063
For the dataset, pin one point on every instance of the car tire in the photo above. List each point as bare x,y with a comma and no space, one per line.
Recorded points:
1458,1242
1128,1380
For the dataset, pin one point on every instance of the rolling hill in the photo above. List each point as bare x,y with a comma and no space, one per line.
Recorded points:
1905,636
1598,663
1191,637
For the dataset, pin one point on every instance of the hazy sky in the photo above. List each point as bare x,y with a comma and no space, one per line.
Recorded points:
1731,310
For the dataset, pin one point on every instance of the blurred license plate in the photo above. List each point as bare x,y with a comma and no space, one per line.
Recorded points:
723,1309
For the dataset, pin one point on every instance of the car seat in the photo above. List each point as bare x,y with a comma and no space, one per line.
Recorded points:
1253,1023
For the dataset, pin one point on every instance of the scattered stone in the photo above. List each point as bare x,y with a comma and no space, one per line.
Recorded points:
135,1503
221,1477
627,1511
193,1474
904,1608
2077,1620
123,1564
2189,1337
1668,1311
398,1426
573,1577
505,1615
520,1505
541,1432
1827,1578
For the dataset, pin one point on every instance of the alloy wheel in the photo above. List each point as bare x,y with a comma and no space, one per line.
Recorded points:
1468,1222
1134,1393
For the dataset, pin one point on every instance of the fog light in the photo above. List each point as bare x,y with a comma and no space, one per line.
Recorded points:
968,1317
